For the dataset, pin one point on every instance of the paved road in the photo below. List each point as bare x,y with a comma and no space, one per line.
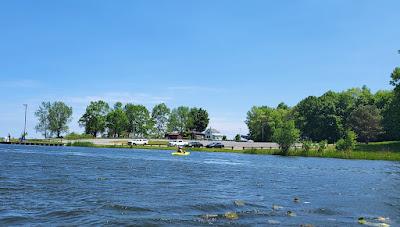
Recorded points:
235,145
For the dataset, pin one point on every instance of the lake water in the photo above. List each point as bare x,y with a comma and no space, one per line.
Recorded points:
86,186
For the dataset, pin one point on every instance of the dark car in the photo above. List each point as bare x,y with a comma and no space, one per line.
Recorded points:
215,145
195,144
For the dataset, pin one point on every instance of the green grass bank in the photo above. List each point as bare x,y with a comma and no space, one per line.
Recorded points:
389,151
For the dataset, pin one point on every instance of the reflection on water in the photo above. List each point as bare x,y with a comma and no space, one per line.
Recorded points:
85,186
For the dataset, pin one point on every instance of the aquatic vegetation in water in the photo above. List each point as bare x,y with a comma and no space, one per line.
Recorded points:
239,203
231,215
291,214
364,221
209,217
383,220
276,207
102,178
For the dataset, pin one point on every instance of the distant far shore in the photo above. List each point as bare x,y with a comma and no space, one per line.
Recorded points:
389,151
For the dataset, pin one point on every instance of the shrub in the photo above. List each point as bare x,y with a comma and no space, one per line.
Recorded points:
286,136
76,136
348,143
322,146
81,144
307,145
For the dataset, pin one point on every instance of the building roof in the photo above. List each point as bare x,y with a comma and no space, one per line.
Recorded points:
214,131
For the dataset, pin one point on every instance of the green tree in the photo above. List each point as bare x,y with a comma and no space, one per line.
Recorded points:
42,115
94,118
237,138
383,98
282,105
198,120
139,120
59,117
286,136
318,118
160,115
262,122
179,119
391,115
395,79
366,122
116,121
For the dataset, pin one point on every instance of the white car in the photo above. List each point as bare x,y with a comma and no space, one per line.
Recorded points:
177,143
138,142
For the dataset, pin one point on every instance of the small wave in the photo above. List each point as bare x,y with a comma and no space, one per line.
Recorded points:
325,211
66,213
221,162
120,207
13,220
210,207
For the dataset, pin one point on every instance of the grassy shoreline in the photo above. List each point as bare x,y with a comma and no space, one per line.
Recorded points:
387,151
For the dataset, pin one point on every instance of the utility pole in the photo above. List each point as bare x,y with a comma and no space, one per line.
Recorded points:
23,136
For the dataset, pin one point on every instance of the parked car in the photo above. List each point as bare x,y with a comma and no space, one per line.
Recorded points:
138,142
195,144
177,143
215,145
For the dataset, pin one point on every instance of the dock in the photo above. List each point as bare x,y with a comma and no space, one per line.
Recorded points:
34,143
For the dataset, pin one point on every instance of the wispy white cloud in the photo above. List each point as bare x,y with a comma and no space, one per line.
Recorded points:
23,83
124,97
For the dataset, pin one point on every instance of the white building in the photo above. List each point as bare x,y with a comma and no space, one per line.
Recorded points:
213,134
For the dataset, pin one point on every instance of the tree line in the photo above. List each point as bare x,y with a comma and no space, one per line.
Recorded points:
332,117
129,120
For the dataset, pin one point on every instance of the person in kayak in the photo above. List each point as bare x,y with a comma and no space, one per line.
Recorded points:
180,150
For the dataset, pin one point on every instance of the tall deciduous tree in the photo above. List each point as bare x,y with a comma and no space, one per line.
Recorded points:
116,121
391,115
139,120
318,118
178,120
94,118
198,119
160,115
42,115
59,116
262,122
366,122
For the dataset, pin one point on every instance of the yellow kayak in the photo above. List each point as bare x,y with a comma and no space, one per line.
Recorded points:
181,154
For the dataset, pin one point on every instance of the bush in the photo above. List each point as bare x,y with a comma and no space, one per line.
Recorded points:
76,136
286,136
81,144
348,143
307,145
322,146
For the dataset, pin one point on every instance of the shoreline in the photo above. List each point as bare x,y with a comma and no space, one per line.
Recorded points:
374,151
329,153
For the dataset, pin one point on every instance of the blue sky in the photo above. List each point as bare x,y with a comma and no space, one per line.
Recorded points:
225,56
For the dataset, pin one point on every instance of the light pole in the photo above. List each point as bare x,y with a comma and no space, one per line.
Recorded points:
23,136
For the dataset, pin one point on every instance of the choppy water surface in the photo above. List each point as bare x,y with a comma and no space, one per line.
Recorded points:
84,186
